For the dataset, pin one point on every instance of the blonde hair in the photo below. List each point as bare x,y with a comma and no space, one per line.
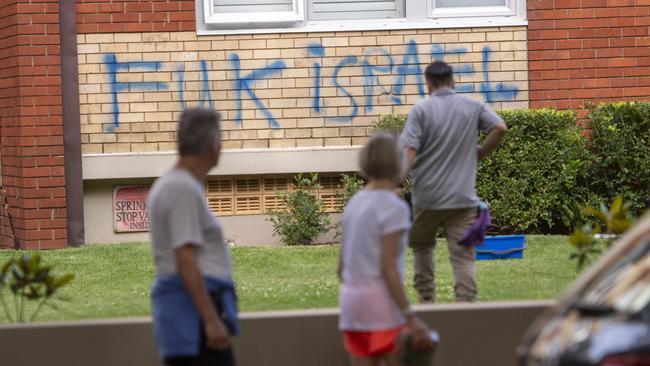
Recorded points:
381,158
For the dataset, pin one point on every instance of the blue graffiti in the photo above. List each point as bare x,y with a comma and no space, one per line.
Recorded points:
117,86
245,83
371,79
180,74
410,67
317,50
205,96
346,61
498,91
438,53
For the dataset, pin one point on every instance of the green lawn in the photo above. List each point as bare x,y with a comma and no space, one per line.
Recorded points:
114,280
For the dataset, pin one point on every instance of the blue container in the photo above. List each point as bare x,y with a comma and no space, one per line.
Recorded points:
501,247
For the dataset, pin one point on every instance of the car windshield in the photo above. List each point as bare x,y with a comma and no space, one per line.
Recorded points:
624,286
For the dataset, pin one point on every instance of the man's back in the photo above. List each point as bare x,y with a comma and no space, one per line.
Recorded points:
443,129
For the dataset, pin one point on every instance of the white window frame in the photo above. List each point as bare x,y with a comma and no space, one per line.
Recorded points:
420,14
210,17
510,9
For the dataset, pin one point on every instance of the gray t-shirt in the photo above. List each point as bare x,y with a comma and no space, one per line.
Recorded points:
444,130
179,215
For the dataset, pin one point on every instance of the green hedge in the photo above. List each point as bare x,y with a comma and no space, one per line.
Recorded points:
545,171
534,181
620,147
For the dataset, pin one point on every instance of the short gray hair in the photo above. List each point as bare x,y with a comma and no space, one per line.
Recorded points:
197,130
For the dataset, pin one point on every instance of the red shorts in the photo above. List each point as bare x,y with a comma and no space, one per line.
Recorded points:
371,344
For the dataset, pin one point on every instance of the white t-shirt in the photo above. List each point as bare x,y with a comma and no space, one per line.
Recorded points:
366,303
179,215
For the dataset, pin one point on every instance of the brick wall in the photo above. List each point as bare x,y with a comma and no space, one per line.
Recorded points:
281,90
588,51
32,127
95,16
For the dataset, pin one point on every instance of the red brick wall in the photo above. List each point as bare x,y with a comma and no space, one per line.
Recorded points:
32,125
588,51
97,16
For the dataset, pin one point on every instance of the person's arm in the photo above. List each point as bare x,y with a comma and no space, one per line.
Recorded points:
411,138
492,139
389,254
409,157
216,333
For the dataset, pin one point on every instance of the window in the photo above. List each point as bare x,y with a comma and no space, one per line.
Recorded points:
266,16
252,11
471,8
360,9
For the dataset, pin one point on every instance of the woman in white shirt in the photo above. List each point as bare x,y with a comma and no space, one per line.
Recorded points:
374,306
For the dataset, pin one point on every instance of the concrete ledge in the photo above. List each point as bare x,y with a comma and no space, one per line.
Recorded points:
472,335
233,162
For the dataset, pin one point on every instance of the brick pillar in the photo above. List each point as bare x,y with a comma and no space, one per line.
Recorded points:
31,145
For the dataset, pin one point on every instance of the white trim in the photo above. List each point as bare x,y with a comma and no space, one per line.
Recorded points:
210,17
511,8
232,162
385,24
417,17
471,12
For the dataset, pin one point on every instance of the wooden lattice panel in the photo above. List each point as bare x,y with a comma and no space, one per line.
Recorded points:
248,185
221,206
331,202
276,184
248,205
219,192
330,183
219,186
273,187
273,203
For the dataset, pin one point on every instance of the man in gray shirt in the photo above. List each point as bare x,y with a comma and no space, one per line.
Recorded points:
440,142
193,290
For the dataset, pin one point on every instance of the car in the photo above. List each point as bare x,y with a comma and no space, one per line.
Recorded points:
604,318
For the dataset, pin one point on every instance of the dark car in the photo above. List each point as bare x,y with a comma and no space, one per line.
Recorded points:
604,319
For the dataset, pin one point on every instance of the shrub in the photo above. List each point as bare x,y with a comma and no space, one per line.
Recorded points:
28,280
351,185
611,221
304,218
620,146
534,182
390,123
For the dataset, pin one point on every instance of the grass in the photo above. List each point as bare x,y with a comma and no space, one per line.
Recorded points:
114,280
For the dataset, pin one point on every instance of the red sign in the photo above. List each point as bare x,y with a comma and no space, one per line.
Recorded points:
130,209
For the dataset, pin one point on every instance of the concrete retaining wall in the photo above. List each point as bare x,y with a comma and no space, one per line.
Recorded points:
484,334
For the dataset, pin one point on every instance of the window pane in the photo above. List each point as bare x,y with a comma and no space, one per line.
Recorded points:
355,9
468,3
244,6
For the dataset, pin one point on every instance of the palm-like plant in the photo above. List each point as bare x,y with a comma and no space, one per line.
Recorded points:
28,280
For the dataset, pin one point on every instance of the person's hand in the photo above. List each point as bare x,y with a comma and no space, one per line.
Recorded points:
419,332
216,335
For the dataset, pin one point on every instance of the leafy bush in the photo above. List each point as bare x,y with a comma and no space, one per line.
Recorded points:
611,221
351,185
27,279
304,218
534,182
620,146
390,123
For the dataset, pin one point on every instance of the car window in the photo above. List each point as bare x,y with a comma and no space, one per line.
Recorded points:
624,286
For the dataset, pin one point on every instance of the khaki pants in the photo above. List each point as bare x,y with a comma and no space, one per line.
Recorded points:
422,239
